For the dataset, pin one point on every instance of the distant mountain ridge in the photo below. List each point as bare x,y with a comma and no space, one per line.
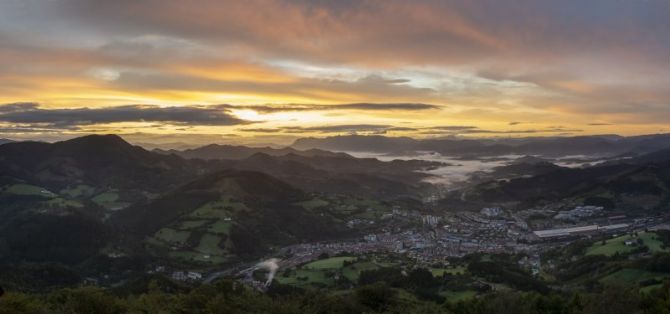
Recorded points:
366,177
632,185
109,161
319,170
217,151
105,160
548,146
68,200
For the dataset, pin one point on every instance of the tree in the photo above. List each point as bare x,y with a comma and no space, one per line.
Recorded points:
421,278
378,297
86,300
14,303
613,300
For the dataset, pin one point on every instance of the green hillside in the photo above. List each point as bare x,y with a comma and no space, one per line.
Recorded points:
226,216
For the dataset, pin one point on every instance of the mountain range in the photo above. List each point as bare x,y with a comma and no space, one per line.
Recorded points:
603,145
631,186
73,200
99,197
216,151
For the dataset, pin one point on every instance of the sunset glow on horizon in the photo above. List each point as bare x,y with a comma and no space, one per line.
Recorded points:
273,71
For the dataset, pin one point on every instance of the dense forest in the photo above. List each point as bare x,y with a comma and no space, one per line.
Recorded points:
227,296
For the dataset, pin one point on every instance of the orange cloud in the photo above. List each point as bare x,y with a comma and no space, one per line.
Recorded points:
489,62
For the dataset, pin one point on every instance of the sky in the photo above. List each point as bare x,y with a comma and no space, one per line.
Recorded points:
267,72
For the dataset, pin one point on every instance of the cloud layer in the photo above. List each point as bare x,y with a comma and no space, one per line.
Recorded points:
31,113
406,66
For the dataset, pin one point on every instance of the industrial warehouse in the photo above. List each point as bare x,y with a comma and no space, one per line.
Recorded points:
582,230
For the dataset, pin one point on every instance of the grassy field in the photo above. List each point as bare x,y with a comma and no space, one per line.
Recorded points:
63,203
629,276
107,199
172,236
312,204
439,272
365,203
218,209
648,289
192,224
617,245
220,227
323,272
211,223
304,278
197,256
360,208
81,190
175,241
455,296
330,263
207,251
27,189
352,272
209,244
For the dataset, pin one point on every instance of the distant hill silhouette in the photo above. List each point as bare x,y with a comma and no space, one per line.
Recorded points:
99,160
216,151
548,146
638,184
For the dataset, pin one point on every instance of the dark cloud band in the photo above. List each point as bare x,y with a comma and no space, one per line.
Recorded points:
31,113
215,115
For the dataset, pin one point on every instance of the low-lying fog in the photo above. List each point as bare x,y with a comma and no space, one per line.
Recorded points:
460,169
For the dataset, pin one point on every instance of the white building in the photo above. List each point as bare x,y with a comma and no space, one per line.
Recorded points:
491,211
184,275
194,275
370,237
430,220
179,275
